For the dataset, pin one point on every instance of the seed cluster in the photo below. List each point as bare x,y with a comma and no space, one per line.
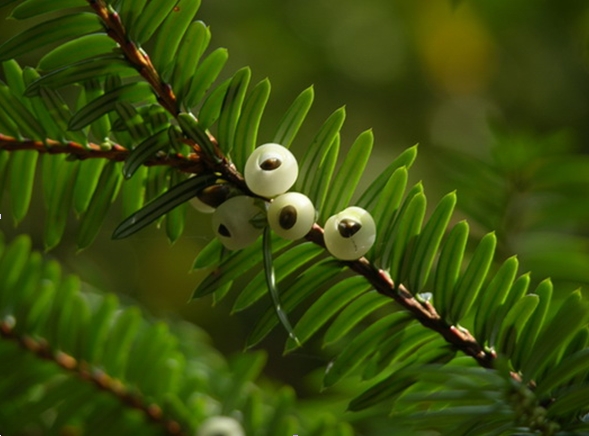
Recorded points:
270,171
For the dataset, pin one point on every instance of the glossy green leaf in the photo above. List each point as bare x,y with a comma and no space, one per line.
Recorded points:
120,337
67,26
385,390
569,402
38,311
83,71
7,124
105,193
101,322
556,334
25,120
211,107
86,183
4,159
191,127
470,283
32,8
385,210
15,80
246,133
60,202
271,284
404,234
326,307
145,150
133,192
152,15
61,310
12,263
349,175
22,177
514,323
294,117
308,283
209,256
353,315
405,343
133,92
172,198
231,109
362,346
129,12
132,120
206,74
156,116
448,268
175,218
101,129
57,110
493,297
535,324
285,264
516,293
77,50
170,33
562,373
429,241
193,46
315,153
389,220
321,179
372,193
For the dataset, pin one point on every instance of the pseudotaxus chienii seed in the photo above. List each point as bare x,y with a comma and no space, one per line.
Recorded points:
350,234
270,170
233,222
291,215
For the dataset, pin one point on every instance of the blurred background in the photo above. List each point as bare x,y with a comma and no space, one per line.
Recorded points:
496,92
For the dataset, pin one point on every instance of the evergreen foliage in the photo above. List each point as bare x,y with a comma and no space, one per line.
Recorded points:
470,346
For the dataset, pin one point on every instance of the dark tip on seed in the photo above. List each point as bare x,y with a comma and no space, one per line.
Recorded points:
348,227
224,231
287,217
271,164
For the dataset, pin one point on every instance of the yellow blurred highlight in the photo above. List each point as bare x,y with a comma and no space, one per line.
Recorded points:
455,48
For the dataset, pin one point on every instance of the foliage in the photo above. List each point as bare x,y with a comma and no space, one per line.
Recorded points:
470,347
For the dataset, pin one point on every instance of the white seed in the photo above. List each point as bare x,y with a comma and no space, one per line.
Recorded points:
202,207
221,426
232,222
350,234
211,197
291,215
271,170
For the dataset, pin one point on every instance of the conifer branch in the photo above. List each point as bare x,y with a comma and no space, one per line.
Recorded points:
424,312
137,57
115,152
84,371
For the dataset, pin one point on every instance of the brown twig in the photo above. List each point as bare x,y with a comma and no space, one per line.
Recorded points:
138,58
39,347
117,153
424,312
